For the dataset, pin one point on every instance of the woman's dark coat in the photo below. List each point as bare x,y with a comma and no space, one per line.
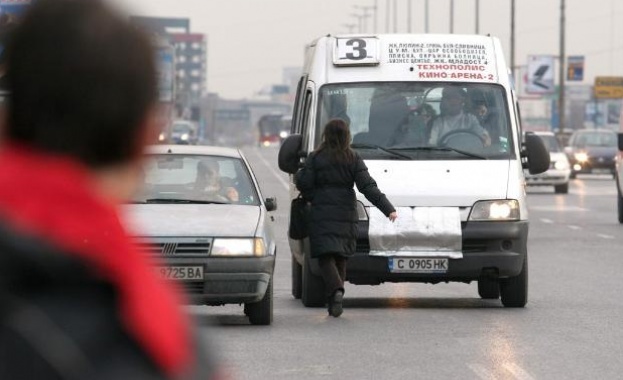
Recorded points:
328,185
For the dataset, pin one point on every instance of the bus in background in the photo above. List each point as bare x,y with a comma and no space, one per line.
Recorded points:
272,130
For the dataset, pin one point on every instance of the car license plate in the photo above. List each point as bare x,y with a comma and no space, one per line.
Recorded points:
181,273
418,265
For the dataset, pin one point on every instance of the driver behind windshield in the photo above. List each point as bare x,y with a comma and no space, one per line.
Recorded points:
453,117
210,186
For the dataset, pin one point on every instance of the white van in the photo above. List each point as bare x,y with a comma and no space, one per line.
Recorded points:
436,120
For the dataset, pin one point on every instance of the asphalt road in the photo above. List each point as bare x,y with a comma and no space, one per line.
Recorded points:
570,329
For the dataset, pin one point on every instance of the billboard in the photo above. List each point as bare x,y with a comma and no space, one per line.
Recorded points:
575,68
540,74
608,88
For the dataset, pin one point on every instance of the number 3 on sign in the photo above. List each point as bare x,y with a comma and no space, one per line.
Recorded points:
356,51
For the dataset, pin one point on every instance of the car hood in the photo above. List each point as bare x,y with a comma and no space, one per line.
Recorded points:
191,220
557,156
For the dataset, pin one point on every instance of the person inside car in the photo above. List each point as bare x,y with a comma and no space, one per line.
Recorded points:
453,117
209,184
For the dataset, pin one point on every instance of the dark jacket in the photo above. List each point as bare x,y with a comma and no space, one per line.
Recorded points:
329,186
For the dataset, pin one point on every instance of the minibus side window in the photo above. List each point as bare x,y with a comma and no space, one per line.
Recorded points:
305,114
298,105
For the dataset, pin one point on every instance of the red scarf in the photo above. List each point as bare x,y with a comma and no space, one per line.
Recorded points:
53,198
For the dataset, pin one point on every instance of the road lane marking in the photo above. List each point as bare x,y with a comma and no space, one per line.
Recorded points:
517,371
547,221
575,227
558,208
481,371
605,236
275,173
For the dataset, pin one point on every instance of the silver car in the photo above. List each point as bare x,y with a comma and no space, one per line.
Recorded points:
559,169
201,213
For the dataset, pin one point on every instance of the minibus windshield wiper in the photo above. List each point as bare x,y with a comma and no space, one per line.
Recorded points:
441,149
189,201
372,146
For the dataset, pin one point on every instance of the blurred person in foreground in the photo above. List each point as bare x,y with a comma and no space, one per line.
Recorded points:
77,300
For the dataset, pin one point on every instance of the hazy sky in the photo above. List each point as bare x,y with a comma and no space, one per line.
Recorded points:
250,41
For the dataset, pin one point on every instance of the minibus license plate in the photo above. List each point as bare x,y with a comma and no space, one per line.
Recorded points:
182,273
418,265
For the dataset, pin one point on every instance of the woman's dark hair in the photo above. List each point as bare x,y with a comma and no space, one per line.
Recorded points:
336,141
81,82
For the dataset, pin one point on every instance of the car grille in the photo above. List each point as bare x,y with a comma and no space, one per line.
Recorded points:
176,247
192,287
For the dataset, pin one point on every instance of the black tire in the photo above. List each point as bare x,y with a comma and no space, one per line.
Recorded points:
562,189
514,290
488,288
312,293
297,279
620,205
261,313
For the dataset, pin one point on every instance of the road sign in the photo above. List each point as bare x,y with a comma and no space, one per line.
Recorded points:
608,88
575,68
540,74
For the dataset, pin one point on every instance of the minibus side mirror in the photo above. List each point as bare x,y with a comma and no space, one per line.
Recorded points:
536,154
289,158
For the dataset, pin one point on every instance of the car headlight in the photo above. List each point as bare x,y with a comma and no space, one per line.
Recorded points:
283,134
581,157
561,165
503,210
161,137
238,247
185,136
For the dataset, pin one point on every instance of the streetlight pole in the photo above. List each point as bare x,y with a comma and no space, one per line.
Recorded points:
409,16
426,29
512,35
387,12
561,71
477,11
451,16
395,16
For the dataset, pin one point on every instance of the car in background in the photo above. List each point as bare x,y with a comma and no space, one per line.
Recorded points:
592,151
184,132
200,214
559,169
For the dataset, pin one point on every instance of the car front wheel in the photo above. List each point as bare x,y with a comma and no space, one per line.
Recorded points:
514,290
297,279
313,286
562,189
488,288
261,313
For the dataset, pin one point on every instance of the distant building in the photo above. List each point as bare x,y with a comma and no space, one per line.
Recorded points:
190,67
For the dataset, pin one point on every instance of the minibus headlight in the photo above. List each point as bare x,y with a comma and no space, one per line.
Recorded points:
502,210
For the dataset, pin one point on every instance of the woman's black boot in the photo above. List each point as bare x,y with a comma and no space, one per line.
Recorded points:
335,303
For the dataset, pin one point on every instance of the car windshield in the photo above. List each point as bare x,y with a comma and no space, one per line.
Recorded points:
551,143
196,179
428,121
596,139
182,128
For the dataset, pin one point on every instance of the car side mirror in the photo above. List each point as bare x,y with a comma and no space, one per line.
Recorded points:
271,204
289,156
620,140
536,154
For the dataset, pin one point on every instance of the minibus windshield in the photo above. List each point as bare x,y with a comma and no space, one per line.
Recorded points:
421,120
